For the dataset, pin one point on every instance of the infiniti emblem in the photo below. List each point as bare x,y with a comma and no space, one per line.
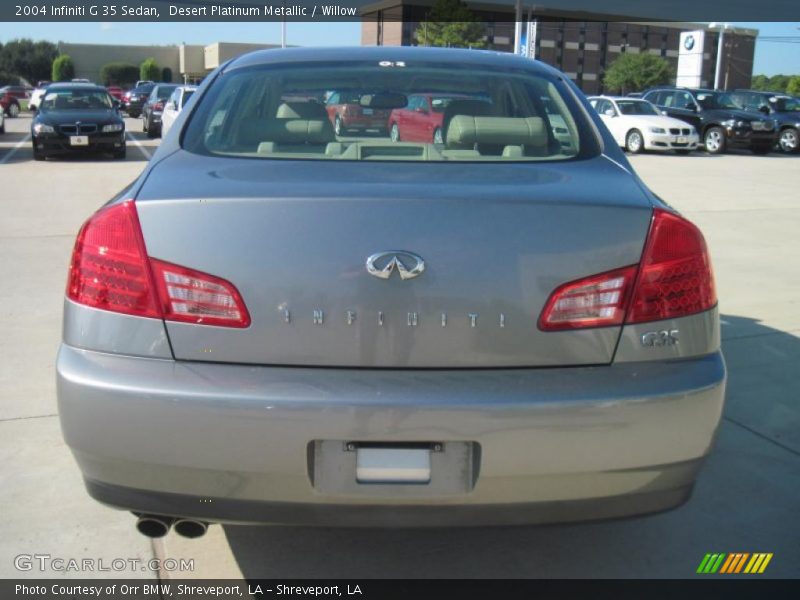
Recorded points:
407,264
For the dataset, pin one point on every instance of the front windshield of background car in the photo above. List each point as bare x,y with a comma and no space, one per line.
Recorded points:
637,107
712,100
480,114
76,99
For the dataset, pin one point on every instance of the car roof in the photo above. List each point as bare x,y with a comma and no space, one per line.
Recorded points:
626,98
75,85
344,54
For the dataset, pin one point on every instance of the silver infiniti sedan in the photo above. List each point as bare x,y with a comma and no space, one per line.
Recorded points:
278,324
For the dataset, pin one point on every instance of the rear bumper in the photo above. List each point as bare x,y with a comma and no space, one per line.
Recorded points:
234,443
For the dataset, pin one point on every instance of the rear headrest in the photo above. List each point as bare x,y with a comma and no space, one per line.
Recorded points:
301,110
465,131
298,131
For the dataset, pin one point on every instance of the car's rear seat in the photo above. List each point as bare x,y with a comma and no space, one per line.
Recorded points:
509,137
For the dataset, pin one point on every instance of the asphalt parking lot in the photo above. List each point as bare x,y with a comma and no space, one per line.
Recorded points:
747,499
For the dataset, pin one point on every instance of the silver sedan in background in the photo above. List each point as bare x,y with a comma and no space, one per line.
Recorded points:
279,324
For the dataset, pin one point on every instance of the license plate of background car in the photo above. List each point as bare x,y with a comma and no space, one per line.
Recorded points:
393,465
681,140
78,140
367,111
333,467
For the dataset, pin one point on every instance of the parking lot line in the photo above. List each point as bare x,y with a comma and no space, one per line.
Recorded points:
14,150
139,145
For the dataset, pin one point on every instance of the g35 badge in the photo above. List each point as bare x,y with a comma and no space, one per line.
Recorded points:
665,337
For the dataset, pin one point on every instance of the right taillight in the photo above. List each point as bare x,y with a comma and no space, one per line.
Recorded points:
675,276
673,279
110,270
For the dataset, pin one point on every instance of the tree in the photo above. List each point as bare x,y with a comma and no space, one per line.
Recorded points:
63,68
451,24
118,73
28,59
149,70
793,87
635,72
778,83
759,82
166,75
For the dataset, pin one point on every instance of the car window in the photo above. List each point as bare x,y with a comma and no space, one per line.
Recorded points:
186,95
76,99
175,97
162,92
636,107
489,114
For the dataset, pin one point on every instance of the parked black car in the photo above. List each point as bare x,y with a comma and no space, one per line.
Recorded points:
721,123
133,100
154,107
783,108
76,117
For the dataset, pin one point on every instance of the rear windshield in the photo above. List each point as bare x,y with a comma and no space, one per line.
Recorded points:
391,112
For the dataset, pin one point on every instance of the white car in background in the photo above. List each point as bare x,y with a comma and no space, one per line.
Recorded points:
174,106
36,98
637,125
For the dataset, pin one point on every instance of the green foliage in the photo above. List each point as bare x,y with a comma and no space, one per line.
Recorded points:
451,24
150,70
118,73
8,79
793,87
28,59
636,72
166,75
63,68
775,83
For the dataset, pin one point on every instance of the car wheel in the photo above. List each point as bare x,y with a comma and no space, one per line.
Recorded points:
2,127
337,126
438,138
37,154
683,152
151,132
144,125
761,150
788,140
13,111
714,140
634,142
394,133
121,153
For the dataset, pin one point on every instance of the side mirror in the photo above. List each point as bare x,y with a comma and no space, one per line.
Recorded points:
609,112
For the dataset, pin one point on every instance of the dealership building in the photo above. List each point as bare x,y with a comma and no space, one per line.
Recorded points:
187,62
582,44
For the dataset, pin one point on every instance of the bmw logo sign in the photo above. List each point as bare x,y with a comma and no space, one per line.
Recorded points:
688,42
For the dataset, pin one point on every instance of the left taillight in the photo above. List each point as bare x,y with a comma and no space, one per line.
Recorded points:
110,270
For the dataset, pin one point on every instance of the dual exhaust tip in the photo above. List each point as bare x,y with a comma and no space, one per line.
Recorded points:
157,526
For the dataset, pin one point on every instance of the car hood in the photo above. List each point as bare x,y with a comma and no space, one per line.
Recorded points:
85,116
656,121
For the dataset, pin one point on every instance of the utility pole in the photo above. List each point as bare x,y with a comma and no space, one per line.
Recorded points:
518,28
720,50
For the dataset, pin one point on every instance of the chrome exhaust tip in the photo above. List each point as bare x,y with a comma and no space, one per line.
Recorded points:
190,528
153,526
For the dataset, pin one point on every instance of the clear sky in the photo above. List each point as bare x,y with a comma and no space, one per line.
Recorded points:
771,57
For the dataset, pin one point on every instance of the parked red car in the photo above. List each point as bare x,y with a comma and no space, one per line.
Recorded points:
115,92
421,120
9,103
347,114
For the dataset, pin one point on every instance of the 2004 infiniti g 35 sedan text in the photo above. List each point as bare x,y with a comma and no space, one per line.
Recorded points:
278,324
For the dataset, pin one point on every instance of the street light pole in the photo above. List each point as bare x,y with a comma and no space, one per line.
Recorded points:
720,50
518,27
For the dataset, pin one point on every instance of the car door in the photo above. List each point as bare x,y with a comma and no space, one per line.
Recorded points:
171,110
685,107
